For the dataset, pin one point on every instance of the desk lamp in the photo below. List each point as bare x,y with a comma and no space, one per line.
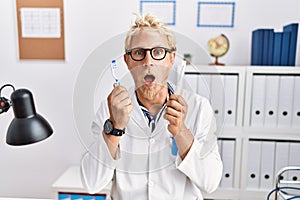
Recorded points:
27,127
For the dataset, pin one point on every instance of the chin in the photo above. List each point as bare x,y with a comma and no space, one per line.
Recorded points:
149,92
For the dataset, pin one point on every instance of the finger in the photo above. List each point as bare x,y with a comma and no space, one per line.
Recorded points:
174,104
182,101
179,99
172,112
119,93
172,120
130,108
173,97
125,102
118,89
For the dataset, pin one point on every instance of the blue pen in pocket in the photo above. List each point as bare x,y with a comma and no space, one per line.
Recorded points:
174,147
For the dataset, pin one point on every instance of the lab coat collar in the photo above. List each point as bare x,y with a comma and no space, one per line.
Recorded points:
139,120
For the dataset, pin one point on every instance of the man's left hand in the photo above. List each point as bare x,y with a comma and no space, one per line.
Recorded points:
175,113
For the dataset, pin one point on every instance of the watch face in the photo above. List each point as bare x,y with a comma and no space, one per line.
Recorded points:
108,126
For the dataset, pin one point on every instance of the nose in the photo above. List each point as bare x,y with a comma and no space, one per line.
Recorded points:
148,60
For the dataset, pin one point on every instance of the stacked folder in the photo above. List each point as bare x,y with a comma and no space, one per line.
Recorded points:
222,92
266,158
227,152
275,101
274,48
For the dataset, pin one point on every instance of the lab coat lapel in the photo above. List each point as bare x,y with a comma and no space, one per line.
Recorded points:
137,117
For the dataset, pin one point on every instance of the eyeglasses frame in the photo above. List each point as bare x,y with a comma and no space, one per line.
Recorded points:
167,50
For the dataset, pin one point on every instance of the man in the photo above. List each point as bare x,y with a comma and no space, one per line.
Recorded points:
149,144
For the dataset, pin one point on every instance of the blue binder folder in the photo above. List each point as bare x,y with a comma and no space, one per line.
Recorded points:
268,46
257,47
293,29
277,48
285,48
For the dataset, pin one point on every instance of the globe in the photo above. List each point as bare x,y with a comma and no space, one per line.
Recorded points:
217,47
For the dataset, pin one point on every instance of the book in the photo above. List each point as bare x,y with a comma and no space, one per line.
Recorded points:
293,29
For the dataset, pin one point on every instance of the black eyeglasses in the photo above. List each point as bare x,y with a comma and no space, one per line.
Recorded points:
157,53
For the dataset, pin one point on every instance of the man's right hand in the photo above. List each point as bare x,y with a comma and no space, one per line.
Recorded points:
120,106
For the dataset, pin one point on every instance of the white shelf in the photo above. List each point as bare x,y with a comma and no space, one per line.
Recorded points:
243,132
237,194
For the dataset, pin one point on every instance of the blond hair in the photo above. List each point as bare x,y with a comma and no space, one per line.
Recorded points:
150,21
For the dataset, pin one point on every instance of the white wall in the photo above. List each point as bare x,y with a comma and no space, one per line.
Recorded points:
30,171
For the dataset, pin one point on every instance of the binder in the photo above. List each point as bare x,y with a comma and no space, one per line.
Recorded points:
293,29
258,100
277,48
267,165
217,97
228,155
231,88
191,81
285,48
204,85
257,47
267,47
285,101
296,106
253,164
271,101
281,157
294,160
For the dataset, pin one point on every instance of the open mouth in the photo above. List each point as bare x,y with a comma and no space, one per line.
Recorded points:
149,79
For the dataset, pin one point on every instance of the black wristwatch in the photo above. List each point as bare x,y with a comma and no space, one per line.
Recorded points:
110,130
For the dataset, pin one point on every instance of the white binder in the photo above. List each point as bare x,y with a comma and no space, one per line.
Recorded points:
258,100
281,157
271,101
253,162
231,88
204,85
267,165
296,106
285,101
217,97
294,160
192,82
228,155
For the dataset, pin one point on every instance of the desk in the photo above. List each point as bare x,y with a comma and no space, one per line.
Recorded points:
5,198
69,185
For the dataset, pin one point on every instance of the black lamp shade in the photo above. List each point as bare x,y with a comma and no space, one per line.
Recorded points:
27,127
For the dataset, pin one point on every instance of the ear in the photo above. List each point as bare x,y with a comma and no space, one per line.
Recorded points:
125,56
172,58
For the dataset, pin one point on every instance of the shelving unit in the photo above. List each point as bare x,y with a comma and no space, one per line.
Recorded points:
243,131
238,130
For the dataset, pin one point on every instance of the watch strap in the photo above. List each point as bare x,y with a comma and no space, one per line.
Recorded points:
118,132
109,129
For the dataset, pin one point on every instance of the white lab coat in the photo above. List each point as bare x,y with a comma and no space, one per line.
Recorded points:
145,167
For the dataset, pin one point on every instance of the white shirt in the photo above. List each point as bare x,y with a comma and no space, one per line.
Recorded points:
145,168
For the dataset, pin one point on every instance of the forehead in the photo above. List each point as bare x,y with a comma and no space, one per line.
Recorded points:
148,38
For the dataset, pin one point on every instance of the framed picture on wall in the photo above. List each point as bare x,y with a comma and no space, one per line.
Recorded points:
216,14
164,9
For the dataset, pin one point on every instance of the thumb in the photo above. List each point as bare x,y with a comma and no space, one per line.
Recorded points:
115,85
